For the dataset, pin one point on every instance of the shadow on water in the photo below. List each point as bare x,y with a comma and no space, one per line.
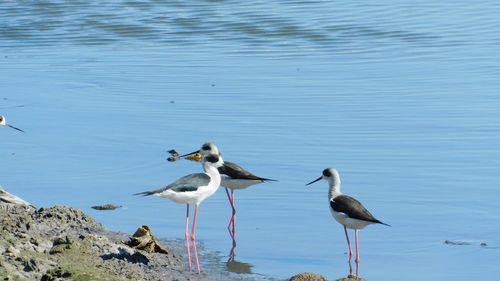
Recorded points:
232,264
235,266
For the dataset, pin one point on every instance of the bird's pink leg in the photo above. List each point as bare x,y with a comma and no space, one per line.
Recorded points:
230,226
187,236
350,249
357,252
234,214
193,238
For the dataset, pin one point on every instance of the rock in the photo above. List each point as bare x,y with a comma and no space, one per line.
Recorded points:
12,252
63,243
465,242
60,244
351,278
106,207
307,276
30,265
143,239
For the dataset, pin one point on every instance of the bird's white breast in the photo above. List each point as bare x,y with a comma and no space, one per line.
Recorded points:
237,183
350,223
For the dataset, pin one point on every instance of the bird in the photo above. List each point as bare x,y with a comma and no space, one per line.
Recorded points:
234,177
3,122
192,189
346,210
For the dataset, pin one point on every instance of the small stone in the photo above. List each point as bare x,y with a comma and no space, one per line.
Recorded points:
30,265
307,276
59,241
34,241
351,277
47,277
12,252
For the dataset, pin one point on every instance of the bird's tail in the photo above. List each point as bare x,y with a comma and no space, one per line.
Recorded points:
384,223
145,193
266,179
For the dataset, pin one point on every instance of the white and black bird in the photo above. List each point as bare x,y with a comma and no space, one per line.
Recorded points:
346,210
193,189
234,177
3,122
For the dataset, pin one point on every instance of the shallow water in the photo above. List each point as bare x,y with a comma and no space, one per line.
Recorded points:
401,98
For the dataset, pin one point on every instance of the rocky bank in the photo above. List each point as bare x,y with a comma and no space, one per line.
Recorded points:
63,243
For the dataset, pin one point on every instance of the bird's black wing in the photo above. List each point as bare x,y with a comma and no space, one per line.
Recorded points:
235,171
353,208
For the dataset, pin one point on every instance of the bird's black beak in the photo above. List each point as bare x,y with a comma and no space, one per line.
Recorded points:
188,154
193,156
15,128
320,178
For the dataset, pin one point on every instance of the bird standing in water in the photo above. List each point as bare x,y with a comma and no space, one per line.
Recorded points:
347,211
193,189
234,177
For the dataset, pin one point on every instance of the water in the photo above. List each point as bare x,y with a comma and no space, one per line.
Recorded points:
402,98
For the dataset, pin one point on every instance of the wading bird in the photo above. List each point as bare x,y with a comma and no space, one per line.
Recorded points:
234,177
192,189
347,211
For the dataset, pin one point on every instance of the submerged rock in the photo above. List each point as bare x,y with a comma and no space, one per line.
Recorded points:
465,242
106,207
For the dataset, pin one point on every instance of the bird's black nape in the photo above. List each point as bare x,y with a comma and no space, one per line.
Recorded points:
212,158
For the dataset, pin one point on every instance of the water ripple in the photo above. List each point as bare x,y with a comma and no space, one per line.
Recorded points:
292,25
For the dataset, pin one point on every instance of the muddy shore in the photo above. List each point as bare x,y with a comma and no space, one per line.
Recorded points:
63,243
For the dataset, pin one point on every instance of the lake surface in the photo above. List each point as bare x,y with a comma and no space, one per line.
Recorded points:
402,98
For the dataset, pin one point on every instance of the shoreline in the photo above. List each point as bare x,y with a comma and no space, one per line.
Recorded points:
64,243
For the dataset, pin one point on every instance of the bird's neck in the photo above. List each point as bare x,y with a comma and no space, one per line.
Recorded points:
213,173
334,191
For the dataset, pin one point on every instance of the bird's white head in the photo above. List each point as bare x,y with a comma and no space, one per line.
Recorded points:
209,148
329,174
2,120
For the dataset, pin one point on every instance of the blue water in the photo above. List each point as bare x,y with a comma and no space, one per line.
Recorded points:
402,98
